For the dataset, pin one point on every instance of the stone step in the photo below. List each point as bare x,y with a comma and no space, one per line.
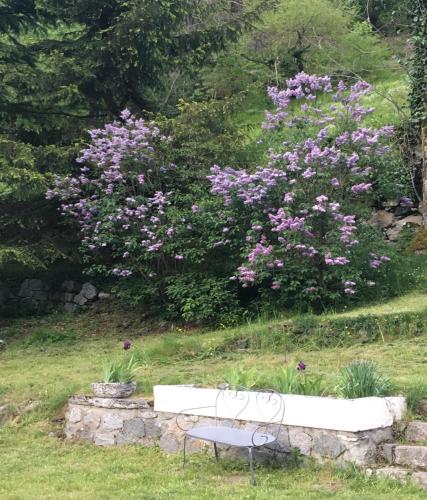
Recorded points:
416,431
401,474
412,455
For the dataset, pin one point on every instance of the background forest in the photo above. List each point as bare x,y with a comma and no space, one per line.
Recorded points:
193,76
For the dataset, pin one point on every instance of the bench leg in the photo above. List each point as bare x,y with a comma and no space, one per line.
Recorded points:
216,452
251,466
184,456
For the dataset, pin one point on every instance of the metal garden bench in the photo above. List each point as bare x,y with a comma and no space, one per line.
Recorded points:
230,435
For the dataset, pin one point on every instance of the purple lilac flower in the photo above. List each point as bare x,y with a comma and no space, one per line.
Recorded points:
301,366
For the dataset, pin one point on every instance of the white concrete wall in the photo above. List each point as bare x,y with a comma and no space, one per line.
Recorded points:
350,415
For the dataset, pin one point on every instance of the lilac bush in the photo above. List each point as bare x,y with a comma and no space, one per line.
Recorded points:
294,227
304,210
118,199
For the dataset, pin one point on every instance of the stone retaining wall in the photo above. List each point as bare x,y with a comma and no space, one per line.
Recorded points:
108,422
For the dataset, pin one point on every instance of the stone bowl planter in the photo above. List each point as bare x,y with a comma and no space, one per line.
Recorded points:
113,389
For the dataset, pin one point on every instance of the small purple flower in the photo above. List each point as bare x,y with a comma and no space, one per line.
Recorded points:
127,345
301,366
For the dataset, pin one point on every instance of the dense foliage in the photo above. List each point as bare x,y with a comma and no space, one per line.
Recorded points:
298,221
315,36
275,223
68,66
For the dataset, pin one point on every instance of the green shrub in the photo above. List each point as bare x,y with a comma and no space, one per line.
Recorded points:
361,379
197,297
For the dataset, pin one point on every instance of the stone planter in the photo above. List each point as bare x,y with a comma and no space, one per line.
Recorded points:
113,389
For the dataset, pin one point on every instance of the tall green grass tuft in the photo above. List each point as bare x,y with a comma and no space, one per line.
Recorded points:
121,371
414,396
361,379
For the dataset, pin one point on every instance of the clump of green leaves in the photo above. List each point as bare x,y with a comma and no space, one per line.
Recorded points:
361,379
44,337
243,378
123,371
295,381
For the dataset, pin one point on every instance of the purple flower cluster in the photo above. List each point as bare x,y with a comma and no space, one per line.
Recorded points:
298,201
114,199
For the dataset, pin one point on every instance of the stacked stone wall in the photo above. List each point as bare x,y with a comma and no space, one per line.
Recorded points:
109,422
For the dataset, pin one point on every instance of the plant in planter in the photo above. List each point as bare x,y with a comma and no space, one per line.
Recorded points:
119,377
295,381
361,379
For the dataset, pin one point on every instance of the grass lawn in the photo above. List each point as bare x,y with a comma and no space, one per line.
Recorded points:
36,466
50,358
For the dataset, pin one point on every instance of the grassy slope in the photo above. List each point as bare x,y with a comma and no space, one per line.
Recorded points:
39,466
35,465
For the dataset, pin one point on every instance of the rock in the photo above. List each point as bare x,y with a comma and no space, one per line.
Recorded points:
387,451
391,203
75,415
133,431
416,431
68,297
382,219
69,307
104,296
80,299
420,478
105,440
148,414
301,440
402,211
113,390
122,404
153,428
397,473
328,446
379,436
394,231
91,421
70,286
412,455
4,294
29,286
112,422
412,219
89,291
360,452
2,345
169,442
